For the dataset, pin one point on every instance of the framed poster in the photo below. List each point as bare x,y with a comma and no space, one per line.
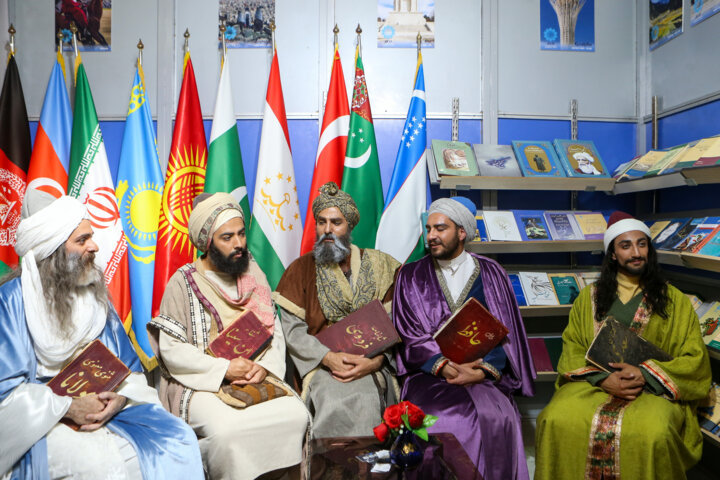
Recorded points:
702,9
400,21
247,23
666,21
567,25
93,19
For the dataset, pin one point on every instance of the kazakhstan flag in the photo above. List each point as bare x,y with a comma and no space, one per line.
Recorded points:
139,192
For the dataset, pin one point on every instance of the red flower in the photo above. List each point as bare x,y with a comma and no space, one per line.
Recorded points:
415,416
381,432
393,414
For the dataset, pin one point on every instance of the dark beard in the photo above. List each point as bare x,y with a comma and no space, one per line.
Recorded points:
66,276
228,264
335,252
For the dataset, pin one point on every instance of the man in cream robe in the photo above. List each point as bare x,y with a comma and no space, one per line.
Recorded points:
52,307
637,422
201,299
346,393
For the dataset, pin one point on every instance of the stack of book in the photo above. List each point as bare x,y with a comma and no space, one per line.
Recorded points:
530,225
541,288
561,158
687,235
709,411
709,316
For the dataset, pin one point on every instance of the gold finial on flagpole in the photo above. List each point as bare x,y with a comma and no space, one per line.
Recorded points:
272,29
223,29
419,42
358,30
74,31
12,33
336,30
60,42
140,47
186,47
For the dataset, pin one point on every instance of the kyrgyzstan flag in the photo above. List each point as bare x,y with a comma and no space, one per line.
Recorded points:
14,161
184,180
330,159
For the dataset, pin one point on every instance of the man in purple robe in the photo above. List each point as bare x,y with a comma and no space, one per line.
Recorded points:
472,400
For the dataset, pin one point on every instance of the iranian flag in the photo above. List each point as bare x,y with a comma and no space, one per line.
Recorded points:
361,176
225,168
89,181
331,147
275,228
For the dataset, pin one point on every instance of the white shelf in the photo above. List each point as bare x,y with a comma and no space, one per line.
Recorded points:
527,183
690,260
537,246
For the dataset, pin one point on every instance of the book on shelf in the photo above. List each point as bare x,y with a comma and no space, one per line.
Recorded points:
624,167
680,234
496,160
554,348
587,278
537,159
708,320
703,308
95,369
454,158
481,235
694,300
538,288
708,152
693,240
616,343
367,331
592,225
532,225
501,226
673,226
517,289
244,337
688,157
566,287
540,355
708,410
642,165
710,246
580,158
665,164
470,333
563,226
657,227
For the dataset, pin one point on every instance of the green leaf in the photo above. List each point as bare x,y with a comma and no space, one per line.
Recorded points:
405,420
429,421
422,433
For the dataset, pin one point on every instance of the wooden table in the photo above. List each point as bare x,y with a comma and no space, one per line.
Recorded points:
444,458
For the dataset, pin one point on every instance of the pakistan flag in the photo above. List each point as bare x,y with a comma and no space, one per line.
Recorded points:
361,176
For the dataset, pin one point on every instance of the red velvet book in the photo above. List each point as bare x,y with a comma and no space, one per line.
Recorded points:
245,337
367,331
540,355
470,333
96,369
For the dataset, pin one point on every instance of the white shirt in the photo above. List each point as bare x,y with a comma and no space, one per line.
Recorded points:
457,272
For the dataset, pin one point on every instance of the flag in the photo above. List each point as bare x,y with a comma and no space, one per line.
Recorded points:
275,228
331,147
361,176
224,167
50,158
14,160
139,191
89,181
184,180
400,230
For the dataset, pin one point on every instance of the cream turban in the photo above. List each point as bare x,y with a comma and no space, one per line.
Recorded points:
460,210
47,223
332,196
619,223
210,211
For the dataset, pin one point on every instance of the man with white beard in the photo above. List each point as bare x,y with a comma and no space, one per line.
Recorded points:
346,393
51,307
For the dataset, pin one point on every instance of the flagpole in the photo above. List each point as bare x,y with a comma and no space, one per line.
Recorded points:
272,35
336,30
140,47
358,30
186,48
74,30
223,29
12,32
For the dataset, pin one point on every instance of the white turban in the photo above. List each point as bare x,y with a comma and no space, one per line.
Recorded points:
460,210
48,228
619,223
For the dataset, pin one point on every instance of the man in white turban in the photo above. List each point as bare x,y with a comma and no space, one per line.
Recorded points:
51,307
473,400
248,420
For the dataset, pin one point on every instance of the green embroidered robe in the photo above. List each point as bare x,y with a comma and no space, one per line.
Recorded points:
586,433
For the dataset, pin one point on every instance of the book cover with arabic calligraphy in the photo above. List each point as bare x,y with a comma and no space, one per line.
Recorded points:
367,331
470,333
245,337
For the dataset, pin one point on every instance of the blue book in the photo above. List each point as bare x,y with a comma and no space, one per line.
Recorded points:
669,231
681,233
517,288
699,233
537,159
481,231
532,225
580,158
562,226
712,247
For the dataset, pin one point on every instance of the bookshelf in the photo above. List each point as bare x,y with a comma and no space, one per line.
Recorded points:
711,437
536,246
534,311
527,183
686,177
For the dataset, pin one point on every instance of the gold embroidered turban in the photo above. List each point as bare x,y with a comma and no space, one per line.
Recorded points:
332,196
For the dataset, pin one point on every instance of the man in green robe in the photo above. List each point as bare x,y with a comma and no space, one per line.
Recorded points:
639,421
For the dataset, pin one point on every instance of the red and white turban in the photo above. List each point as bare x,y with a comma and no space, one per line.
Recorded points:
619,223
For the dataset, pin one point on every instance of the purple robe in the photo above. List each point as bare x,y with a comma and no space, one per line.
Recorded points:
483,416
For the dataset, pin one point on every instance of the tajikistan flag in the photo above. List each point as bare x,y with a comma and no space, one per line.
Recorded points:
400,230
275,229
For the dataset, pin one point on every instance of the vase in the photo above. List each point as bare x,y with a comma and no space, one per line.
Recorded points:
405,451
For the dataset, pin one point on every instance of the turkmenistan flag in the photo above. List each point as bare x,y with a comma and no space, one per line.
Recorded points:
224,168
361,176
89,181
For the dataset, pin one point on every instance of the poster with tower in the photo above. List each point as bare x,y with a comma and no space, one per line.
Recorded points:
567,25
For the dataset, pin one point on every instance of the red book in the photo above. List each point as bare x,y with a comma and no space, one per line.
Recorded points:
470,333
245,337
706,162
367,331
540,355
